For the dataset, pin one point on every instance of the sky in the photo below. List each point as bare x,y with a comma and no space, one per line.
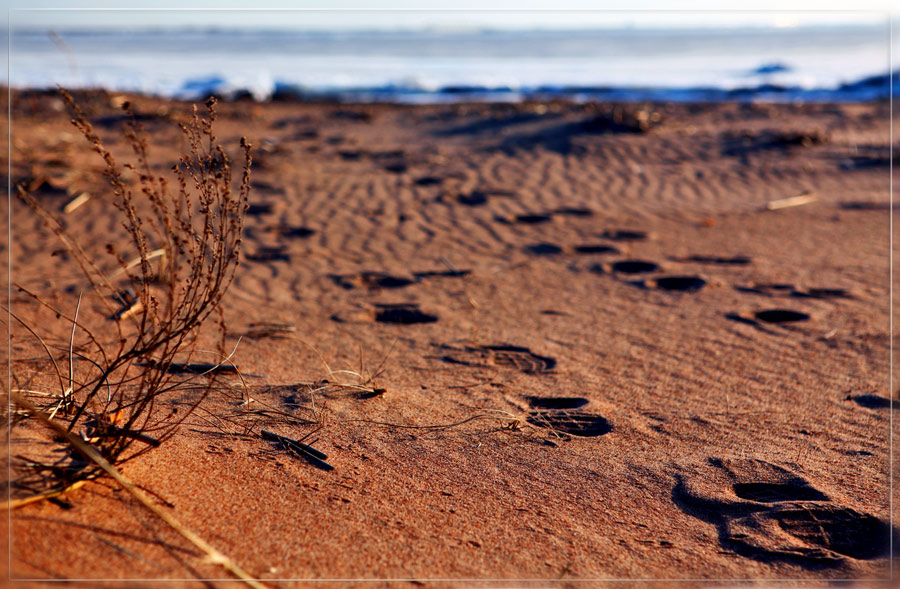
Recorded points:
348,14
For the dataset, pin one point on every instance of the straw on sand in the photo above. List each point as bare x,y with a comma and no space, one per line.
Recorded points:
213,555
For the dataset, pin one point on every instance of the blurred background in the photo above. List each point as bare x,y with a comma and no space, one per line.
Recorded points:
423,52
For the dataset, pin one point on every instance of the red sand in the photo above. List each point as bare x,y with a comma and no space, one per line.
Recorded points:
721,446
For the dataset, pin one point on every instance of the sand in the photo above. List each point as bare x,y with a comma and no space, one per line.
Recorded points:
570,328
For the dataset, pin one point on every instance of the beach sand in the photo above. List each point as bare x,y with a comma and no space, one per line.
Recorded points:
574,325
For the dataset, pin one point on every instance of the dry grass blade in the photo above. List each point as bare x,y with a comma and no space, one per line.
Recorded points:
214,555
48,494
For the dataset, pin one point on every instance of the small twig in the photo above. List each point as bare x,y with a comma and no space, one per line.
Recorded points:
315,456
793,201
76,202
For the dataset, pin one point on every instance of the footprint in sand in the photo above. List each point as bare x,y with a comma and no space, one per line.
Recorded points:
291,231
676,283
371,280
871,401
574,423
538,218
473,199
626,267
442,274
428,181
668,283
561,415
269,254
532,218
260,208
717,260
551,249
823,293
544,249
768,289
781,316
506,356
595,248
574,212
790,290
544,403
865,205
398,314
376,280
766,512
620,235
477,198
402,314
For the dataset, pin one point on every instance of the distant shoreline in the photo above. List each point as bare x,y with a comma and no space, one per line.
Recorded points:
868,89
803,64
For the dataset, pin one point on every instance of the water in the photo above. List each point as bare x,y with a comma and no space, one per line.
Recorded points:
803,63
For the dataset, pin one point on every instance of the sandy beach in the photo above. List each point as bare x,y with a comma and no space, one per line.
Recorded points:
541,341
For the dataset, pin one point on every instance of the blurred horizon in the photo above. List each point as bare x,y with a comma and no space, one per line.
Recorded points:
435,54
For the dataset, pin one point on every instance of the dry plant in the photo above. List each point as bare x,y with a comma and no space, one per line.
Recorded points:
184,247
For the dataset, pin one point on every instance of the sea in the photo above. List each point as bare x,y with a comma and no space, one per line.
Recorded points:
431,65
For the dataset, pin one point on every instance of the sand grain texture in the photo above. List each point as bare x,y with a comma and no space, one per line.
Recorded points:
600,423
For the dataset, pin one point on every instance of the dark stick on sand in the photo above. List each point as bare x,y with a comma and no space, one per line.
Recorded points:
314,456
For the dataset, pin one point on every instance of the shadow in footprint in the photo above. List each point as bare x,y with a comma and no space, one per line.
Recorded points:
370,280
774,492
543,249
865,206
748,321
296,232
678,283
574,423
402,315
442,274
791,290
823,293
556,402
473,199
725,261
871,401
781,316
261,208
574,212
269,254
595,248
770,290
632,267
626,235
428,181
533,219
